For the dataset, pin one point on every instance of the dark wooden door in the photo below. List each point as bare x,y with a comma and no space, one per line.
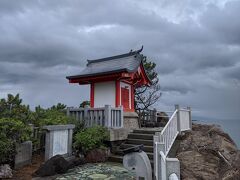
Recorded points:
125,98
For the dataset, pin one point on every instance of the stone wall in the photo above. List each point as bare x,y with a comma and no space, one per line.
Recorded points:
118,134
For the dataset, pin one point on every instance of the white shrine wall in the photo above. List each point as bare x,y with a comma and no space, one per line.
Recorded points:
104,94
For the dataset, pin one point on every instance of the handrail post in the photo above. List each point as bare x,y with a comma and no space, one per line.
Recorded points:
178,118
190,117
155,114
155,154
107,112
121,116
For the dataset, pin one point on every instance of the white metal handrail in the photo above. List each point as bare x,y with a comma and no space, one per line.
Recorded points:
169,133
178,122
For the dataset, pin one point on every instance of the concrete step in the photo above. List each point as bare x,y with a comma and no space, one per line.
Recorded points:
142,131
140,136
145,148
115,158
140,141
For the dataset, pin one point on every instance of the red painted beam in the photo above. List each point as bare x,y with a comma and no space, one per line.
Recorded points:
132,98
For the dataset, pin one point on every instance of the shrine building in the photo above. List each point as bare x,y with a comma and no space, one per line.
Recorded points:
113,80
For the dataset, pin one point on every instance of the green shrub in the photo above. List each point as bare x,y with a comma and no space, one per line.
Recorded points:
15,130
79,125
7,150
12,107
84,103
91,138
11,132
53,117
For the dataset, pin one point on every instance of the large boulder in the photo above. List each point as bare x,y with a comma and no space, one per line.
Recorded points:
55,165
207,152
5,171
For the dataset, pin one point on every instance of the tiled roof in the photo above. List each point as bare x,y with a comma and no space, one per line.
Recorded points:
128,62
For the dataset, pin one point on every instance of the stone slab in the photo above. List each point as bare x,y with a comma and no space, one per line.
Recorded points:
24,154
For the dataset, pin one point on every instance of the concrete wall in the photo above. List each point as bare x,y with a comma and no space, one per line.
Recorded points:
122,84
104,94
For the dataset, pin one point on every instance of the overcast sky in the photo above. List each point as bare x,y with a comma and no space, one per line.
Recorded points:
195,44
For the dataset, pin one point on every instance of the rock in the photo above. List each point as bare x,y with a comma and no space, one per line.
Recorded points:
97,155
202,166
207,152
5,171
55,165
76,162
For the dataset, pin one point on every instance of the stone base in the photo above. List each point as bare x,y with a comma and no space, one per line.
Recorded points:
130,120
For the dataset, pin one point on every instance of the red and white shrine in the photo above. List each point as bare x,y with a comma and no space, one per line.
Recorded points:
113,80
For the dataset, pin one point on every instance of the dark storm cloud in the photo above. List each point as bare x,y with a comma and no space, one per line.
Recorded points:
224,23
195,45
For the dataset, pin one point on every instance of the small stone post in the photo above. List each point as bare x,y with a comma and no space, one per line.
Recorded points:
172,167
161,164
155,154
190,117
178,118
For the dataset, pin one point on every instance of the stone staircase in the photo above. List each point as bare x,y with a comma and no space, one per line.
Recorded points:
137,137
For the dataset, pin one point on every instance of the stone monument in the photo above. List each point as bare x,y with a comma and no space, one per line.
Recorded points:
58,140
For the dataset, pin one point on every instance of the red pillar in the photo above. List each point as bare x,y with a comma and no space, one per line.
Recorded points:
132,98
92,95
117,87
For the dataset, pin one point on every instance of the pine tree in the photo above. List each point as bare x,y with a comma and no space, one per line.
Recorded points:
146,96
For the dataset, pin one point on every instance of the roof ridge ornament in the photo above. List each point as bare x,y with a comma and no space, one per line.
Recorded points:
137,51
140,50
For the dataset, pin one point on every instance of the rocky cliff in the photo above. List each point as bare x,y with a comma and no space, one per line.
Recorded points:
208,153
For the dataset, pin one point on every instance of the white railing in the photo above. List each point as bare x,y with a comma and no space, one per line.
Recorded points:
116,117
169,133
185,119
163,166
104,116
